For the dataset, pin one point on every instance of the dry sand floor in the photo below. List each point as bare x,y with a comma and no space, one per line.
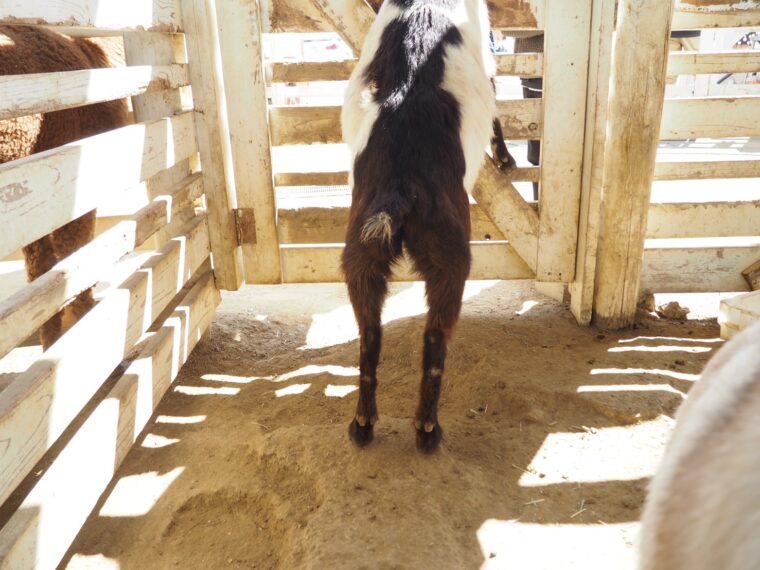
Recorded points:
552,433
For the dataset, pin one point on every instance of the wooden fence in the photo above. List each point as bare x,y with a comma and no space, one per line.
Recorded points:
192,178
69,418
689,247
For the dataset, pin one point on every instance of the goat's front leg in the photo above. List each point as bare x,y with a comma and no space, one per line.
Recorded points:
501,155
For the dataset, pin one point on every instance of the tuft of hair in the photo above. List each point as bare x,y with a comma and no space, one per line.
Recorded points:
378,228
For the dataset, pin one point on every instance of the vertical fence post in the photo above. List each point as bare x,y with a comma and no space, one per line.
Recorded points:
600,58
205,67
637,90
245,84
566,56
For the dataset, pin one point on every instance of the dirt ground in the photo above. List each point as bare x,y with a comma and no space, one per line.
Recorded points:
552,433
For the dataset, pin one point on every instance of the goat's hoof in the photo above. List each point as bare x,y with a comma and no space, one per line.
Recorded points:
429,436
361,435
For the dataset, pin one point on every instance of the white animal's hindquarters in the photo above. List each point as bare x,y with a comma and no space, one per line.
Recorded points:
703,508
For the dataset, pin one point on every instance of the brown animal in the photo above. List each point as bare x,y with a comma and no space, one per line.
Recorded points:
703,508
25,50
417,117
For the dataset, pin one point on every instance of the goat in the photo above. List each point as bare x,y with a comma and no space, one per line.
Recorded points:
27,49
703,508
417,117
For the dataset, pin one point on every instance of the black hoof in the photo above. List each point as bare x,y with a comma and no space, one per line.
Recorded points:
428,441
360,435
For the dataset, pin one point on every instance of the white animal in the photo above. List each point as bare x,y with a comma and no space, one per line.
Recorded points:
703,508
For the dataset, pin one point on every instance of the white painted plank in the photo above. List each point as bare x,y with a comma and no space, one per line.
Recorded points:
517,64
709,219
694,62
23,95
156,15
566,56
712,117
65,495
697,269
42,192
600,62
22,313
212,131
249,132
520,118
321,264
639,58
705,170
41,402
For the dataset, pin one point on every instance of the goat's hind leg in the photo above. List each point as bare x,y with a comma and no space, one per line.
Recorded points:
443,258
367,267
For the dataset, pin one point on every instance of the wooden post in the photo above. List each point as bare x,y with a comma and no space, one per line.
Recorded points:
637,89
201,34
240,36
568,28
146,48
600,58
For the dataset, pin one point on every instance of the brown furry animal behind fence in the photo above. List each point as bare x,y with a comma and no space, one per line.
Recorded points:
25,50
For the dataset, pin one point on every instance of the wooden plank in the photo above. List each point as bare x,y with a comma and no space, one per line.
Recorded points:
303,71
148,48
24,312
340,178
501,202
711,219
696,269
518,14
699,14
712,117
600,61
70,488
705,170
321,264
694,62
156,15
737,313
568,29
328,225
206,76
520,118
302,16
520,65
44,92
639,58
751,275
41,402
305,125
251,151
44,191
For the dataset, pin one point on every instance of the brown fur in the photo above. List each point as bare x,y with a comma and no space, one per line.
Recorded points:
25,50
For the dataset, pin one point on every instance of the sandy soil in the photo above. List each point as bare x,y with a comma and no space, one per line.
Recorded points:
552,432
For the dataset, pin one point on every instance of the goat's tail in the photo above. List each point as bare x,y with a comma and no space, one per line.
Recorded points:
385,219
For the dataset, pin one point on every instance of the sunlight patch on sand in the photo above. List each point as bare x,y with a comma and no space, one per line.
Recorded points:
514,544
135,495
404,300
621,453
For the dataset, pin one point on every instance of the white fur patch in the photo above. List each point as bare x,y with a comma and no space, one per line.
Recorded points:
703,508
469,67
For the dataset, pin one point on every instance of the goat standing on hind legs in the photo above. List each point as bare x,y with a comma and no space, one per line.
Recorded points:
417,118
